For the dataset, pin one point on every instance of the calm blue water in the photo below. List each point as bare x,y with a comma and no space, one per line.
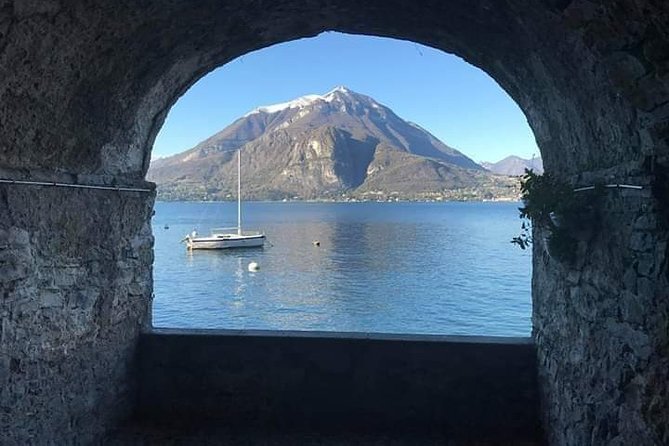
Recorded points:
440,268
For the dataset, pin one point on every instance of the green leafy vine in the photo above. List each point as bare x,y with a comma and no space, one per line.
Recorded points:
552,206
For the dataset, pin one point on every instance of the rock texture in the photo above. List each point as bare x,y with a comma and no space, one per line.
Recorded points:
85,86
75,282
601,323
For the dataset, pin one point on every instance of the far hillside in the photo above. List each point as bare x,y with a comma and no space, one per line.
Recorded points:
340,145
514,165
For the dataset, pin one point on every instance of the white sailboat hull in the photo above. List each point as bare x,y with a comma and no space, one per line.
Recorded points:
223,238
225,241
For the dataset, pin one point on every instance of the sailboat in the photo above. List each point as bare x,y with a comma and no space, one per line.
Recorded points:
223,238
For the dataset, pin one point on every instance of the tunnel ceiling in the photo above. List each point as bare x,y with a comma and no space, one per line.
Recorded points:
86,85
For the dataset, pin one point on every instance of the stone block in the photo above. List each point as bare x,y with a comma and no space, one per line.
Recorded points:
11,271
26,8
645,264
7,255
125,276
85,299
66,277
624,69
138,289
51,298
573,277
642,241
18,237
4,370
632,309
629,279
625,335
646,222
645,287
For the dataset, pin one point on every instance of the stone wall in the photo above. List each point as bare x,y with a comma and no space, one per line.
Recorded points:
465,388
75,287
85,85
601,323
109,71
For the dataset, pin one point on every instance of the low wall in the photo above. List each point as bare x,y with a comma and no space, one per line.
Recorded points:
462,386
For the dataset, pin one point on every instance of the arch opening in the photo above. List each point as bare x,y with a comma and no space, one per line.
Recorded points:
449,269
84,91
595,107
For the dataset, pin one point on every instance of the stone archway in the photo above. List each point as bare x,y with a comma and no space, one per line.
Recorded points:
86,85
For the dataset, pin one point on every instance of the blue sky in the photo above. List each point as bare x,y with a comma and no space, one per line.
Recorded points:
455,101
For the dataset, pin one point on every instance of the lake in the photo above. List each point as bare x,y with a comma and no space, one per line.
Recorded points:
428,268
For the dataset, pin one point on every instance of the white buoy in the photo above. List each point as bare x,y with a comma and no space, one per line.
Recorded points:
253,266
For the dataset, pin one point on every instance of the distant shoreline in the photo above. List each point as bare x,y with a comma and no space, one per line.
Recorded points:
510,200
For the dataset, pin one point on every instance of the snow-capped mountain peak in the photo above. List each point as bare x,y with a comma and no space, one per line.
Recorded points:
307,100
317,145
295,103
332,93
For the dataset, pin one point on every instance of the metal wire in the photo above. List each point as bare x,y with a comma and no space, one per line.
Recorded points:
137,189
610,186
74,186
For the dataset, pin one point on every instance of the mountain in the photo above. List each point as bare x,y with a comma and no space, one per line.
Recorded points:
514,165
321,146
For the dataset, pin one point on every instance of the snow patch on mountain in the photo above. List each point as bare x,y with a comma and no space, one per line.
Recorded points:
295,103
331,95
303,101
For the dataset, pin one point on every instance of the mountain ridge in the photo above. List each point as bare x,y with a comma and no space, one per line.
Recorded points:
515,165
339,144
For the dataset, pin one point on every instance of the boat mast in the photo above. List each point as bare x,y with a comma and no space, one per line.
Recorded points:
239,191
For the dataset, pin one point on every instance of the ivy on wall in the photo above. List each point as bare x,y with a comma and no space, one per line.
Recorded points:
555,209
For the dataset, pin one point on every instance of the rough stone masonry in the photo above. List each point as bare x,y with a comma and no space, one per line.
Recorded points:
85,85
76,281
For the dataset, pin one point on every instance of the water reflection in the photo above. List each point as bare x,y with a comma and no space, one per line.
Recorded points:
239,279
422,268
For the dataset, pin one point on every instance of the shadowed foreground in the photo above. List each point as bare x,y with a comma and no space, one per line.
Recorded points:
258,387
